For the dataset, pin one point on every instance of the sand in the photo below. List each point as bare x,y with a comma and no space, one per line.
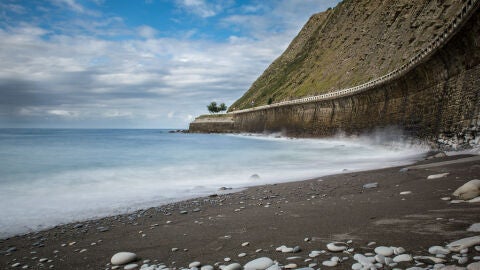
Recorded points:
331,208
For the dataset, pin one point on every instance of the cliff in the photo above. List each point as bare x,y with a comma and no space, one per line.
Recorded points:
349,45
434,95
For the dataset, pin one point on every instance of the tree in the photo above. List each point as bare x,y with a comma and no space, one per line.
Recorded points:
222,107
213,108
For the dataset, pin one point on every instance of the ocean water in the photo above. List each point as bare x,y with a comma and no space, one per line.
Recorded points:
54,176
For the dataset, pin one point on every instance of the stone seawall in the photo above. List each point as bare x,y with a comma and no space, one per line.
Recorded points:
438,99
213,124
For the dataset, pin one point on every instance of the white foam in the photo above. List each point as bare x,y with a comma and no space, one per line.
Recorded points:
54,197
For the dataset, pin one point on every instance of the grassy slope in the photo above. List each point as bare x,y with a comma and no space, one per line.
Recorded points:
348,45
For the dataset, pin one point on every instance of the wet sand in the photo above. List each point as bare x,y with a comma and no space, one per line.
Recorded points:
330,208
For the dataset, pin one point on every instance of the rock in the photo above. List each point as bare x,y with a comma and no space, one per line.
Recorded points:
463,260
429,259
258,264
437,176
207,267
435,250
363,260
254,177
329,263
337,246
243,254
296,249
287,250
405,192
474,200
456,201
384,251
102,229
370,185
290,266
469,190
183,212
398,250
194,264
273,267
474,266
130,266
458,245
380,258
233,266
245,244
403,258
357,266
15,264
123,258
452,267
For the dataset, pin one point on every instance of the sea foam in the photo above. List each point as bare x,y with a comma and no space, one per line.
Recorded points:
58,176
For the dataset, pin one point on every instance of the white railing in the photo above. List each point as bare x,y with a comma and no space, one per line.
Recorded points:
468,8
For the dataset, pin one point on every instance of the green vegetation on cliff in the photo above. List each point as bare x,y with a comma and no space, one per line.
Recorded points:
349,45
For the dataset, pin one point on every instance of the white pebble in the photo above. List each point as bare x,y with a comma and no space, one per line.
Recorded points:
357,266
233,266
194,264
437,176
259,264
336,246
130,266
398,250
384,251
438,250
329,263
402,258
121,258
242,254
245,244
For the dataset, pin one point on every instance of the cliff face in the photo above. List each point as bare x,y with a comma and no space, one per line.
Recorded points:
349,45
437,97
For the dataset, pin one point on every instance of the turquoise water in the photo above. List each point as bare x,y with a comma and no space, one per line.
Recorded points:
53,176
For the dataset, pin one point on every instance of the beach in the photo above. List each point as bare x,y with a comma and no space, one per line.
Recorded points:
404,209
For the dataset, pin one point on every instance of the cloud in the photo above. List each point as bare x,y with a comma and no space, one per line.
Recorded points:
199,7
60,75
146,31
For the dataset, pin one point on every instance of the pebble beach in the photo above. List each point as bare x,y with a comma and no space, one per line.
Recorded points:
396,218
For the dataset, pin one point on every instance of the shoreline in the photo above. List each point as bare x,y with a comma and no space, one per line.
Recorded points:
337,208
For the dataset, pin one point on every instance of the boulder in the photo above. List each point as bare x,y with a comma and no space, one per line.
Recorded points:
469,190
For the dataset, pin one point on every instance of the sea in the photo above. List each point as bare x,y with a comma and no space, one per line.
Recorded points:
56,176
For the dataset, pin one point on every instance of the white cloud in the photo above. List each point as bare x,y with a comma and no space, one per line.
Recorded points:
150,82
63,113
146,31
198,7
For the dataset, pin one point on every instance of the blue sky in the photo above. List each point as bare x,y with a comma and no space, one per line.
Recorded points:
136,63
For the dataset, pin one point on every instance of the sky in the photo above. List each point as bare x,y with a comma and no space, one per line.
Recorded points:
136,63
